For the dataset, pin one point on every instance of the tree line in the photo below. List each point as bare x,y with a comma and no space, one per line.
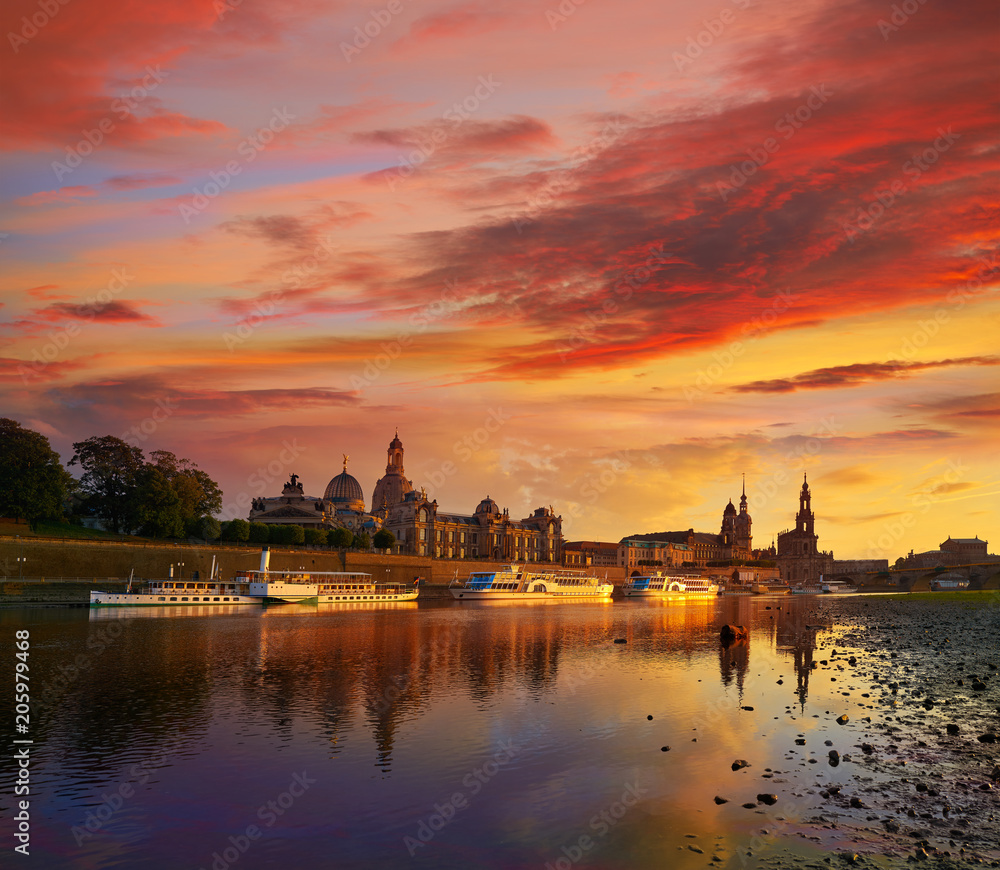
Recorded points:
158,496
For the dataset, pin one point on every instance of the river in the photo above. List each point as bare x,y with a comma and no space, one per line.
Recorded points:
426,735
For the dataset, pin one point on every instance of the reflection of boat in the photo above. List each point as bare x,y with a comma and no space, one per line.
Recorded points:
513,583
259,587
769,589
660,585
132,611
805,590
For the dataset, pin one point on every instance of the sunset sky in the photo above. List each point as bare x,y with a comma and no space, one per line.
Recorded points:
604,256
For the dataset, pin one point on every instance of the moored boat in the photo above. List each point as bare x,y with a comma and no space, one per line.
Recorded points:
511,583
660,585
262,586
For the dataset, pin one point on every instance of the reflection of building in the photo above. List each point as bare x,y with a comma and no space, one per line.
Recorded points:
799,558
859,566
734,541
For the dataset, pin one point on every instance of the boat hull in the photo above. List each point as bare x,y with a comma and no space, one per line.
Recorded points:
653,593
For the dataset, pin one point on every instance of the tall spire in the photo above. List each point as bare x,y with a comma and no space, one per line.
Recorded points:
744,483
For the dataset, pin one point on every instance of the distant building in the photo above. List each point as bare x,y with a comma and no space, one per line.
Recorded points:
422,528
952,552
600,554
632,552
799,558
967,548
734,540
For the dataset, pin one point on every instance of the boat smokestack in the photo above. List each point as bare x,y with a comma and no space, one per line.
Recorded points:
265,558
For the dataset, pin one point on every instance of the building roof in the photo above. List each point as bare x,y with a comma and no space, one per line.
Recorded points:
344,487
965,540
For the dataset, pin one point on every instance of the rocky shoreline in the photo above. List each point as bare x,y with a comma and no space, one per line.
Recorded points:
913,774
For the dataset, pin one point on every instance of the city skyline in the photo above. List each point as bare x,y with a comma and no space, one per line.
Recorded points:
607,259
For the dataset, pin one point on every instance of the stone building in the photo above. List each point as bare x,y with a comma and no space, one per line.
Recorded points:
342,506
969,549
422,528
734,541
799,558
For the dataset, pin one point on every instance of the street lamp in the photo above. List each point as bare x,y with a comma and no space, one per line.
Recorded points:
20,558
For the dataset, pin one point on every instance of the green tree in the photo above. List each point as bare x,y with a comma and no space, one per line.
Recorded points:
383,539
341,537
208,529
361,541
316,536
260,533
158,507
199,495
33,483
295,534
236,530
111,475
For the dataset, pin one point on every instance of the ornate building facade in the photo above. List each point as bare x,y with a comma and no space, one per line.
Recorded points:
342,506
418,524
734,541
799,558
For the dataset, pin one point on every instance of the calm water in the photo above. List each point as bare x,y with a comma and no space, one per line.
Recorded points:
442,734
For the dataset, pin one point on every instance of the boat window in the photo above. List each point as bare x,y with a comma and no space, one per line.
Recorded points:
173,598
161,598
184,598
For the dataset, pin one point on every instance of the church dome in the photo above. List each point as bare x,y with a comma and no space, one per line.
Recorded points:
344,488
488,506
730,510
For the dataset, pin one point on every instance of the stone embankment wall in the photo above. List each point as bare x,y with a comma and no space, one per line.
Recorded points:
55,569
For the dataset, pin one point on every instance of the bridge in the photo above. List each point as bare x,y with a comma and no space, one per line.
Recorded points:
981,575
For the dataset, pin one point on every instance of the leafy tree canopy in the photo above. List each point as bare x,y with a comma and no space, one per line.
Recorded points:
33,483
383,539
111,476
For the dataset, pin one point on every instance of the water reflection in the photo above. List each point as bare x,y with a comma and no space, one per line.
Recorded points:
416,697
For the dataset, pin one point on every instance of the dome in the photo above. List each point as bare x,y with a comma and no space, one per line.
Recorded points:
344,488
488,506
730,510
396,443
